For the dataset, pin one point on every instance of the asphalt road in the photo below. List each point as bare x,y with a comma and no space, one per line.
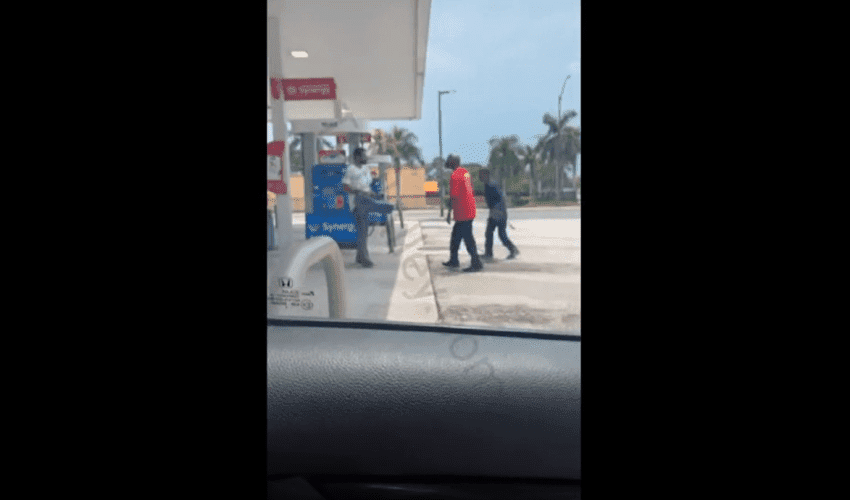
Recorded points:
548,213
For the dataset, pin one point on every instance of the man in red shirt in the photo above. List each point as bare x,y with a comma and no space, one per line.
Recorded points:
463,204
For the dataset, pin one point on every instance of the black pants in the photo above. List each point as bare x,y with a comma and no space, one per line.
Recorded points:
462,230
492,224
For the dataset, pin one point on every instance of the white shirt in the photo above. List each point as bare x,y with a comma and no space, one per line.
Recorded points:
358,178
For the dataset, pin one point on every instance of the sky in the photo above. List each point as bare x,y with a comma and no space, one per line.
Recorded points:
507,62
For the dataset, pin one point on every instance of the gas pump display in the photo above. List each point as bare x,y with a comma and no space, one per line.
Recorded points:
332,215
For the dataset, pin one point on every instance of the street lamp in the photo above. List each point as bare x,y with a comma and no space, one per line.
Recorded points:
561,95
560,167
440,125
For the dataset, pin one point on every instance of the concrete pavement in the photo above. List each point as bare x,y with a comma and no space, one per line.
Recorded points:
539,290
368,290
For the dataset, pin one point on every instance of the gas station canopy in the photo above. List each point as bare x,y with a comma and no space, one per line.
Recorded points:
374,50
330,126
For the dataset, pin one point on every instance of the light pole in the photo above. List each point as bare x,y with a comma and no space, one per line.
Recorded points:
560,167
440,125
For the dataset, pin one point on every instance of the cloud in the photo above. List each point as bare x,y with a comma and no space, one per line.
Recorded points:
575,66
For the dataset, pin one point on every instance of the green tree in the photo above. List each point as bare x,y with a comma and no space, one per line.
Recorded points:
561,144
530,156
546,176
504,158
400,144
572,148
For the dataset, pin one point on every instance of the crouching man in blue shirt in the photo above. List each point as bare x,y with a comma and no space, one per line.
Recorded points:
498,217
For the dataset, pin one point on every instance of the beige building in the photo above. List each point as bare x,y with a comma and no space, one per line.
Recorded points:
412,188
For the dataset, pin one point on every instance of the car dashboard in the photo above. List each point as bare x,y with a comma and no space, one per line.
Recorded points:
403,411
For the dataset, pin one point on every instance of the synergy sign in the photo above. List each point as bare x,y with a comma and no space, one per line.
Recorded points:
303,89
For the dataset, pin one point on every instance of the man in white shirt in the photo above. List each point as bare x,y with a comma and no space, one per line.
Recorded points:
357,182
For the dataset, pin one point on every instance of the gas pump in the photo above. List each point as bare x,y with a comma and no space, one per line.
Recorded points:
327,205
331,215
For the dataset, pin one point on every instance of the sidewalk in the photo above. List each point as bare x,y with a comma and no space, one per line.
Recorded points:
539,290
368,290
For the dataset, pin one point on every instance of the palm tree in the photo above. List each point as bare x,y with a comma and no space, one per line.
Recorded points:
561,144
529,156
399,143
572,148
504,159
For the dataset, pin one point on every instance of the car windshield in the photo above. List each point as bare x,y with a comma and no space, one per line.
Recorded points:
462,204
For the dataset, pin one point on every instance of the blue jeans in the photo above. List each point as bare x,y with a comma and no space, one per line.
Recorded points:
492,224
363,205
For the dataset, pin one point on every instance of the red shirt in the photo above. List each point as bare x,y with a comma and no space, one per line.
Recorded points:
463,196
